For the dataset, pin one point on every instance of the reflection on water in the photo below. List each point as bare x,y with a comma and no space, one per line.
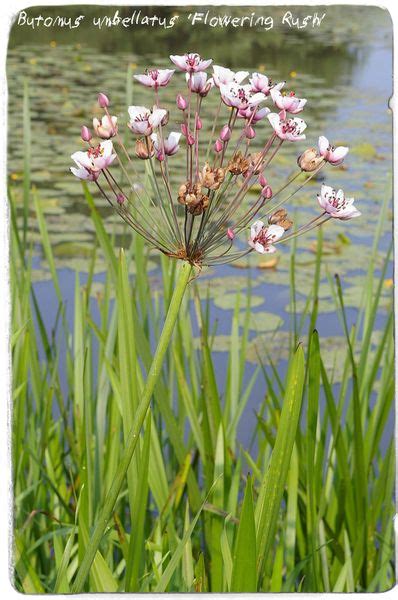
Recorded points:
344,69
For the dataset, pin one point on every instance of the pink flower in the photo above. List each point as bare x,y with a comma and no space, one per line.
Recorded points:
334,156
170,145
223,76
190,62
155,78
287,129
336,204
106,128
261,83
262,237
247,113
290,102
199,83
240,96
91,163
143,121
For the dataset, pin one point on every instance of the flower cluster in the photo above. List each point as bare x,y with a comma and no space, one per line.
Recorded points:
194,208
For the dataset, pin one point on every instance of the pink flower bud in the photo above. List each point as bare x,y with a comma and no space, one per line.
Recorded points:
184,129
160,156
230,234
190,139
218,146
225,133
266,192
86,134
249,132
120,198
181,102
103,100
262,180
198,123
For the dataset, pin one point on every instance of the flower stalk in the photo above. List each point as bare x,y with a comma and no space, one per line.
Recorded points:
182,282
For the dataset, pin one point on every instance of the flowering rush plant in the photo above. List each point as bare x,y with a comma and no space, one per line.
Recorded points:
200,191
204,189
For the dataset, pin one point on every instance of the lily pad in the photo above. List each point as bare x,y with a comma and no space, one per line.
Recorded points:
262,321
228,301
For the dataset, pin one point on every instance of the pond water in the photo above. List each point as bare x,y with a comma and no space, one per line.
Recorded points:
344,69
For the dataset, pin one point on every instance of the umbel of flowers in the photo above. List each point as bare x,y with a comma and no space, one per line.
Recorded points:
206,197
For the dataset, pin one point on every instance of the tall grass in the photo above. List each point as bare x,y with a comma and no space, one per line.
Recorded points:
310,509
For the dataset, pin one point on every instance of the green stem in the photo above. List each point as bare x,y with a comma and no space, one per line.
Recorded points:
133,437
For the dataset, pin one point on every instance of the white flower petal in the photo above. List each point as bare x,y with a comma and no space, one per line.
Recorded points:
156,117
80,173
259,248
275,231
179,61
323,144
145,80
135,111
81,159
256,228
107,147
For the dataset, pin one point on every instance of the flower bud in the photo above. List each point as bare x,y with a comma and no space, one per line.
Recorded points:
249,132
143,149
218,146
225,133
184,129
160,156
230,234
165,119
120,198
181,102
190,139
309,160
266,192
86,134
262,180
198,123
103,100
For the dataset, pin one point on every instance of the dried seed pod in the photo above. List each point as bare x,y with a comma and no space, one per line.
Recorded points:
238,164
281,218
212,178
191,196
256,163
309,160
144,149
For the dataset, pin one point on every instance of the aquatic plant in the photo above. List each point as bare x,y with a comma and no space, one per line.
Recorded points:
200,221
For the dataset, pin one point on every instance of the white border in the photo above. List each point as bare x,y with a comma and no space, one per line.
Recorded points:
8,11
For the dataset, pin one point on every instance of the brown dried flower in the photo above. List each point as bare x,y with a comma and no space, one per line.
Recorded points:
238,164
212,178
144,149
309,160
190,195
256,162
281,218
